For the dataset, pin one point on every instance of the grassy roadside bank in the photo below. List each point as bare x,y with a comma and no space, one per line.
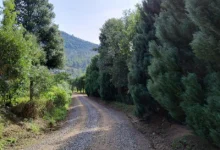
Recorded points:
17,133
163,135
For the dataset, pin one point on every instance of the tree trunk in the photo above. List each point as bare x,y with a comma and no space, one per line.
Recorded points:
31,90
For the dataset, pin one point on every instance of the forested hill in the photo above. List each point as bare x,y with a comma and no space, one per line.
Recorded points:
78,54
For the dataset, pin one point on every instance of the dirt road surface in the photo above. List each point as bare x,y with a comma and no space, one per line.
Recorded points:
92,126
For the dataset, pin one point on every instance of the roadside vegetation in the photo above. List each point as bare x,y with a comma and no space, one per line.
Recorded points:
32,98
163,58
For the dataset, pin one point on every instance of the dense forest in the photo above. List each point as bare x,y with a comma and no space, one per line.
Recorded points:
163,57
78,54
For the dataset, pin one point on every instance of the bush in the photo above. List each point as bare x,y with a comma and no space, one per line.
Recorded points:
61,98
57,114
58,99
59,95
34,128
26,110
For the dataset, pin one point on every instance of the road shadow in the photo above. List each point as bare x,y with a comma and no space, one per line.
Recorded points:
80,140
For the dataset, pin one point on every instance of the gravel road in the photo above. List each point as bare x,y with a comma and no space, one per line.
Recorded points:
92,126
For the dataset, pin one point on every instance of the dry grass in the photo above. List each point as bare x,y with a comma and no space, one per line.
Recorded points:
15,133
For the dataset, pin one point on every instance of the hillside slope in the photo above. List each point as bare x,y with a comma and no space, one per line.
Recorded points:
78,54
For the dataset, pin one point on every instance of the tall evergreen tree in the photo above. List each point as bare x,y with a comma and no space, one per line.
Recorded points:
92,78
201,96
141,57
173,59
36,16
16,56
109,50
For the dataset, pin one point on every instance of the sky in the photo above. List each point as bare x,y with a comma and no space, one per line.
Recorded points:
84,18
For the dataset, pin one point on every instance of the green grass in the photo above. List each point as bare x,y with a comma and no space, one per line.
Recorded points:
8,141
2,144
34,128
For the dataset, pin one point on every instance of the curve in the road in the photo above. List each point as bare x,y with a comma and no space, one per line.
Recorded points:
91,126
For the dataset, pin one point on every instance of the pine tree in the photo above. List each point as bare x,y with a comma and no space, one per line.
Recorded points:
141,57
16,56
201,94
36,16
172,56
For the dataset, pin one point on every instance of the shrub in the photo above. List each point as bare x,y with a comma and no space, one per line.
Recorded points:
34,128
61,98
59,95
26,110
58,99
57,114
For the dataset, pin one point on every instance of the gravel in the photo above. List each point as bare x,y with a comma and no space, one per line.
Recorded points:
91,126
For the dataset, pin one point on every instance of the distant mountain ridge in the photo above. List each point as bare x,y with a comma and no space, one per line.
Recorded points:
78,54
72,42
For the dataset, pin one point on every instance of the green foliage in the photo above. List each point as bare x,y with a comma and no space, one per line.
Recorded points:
164,84
92,76
193,93
173,59
107,74
139,96
109,47
202,106
9,13
57,114
60,77
16,56
34,128
42,80
107,89
53,46
36,17
141,57
114,51
201,93
207,39
56,101
59,96
14,52
79,84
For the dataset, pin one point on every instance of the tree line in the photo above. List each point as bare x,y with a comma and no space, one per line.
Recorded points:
164,56
30,47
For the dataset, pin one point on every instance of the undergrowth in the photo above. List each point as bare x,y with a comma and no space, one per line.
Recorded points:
191,142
